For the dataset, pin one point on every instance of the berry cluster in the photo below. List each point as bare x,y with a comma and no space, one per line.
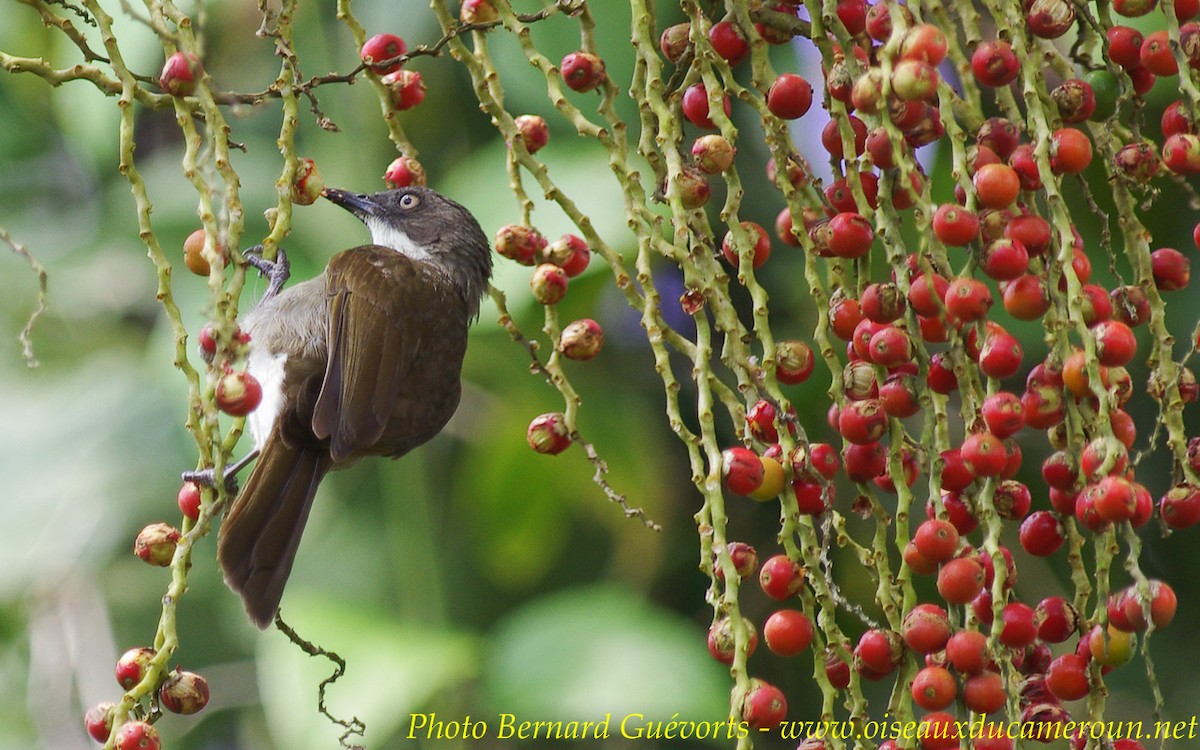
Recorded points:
934,399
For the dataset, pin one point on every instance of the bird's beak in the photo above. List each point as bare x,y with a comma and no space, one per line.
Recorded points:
356,203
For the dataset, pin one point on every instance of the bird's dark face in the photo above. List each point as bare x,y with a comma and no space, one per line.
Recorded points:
425,226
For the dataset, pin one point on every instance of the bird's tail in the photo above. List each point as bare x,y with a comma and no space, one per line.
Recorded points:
261,532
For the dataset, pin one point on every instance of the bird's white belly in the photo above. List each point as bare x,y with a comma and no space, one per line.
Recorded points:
268,369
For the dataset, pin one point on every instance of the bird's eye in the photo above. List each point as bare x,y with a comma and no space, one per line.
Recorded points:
408,200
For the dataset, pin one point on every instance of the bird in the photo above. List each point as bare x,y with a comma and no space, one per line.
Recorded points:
363,360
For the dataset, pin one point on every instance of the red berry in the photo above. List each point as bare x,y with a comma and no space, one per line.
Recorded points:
1171,269
938,731
1041,534
955,225
878,652
934,688
1001,355
379,49
1134,8
582,71
696,107
924,42
1067,677
862,422
238,393
994,63
926,628
967,652
760,251
404,171
1181,153
764,705
131,667
478,11
984,693
99,720
1070,151
960,580
1156,55
936,540
780,577
789,97
1018,630
788,632
1056,619
406,87
728,42
831,137
189,500
1125,46
967,299
996,185
137,735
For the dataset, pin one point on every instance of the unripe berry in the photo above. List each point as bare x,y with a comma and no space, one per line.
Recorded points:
193,253
581,339
713,153
548,283
155,544
570,253
478,11
548,434
183,692
179,74
520,243
307,183
533,132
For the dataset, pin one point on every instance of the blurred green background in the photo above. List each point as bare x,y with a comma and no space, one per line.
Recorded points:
471,578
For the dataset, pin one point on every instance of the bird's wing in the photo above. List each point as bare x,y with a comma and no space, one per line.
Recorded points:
370,350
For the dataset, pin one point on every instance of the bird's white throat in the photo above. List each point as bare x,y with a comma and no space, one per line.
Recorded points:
388,236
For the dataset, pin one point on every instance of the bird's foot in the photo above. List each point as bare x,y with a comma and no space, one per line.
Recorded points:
208,478
277,271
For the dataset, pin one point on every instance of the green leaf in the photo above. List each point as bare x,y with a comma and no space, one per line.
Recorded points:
584,653
393,670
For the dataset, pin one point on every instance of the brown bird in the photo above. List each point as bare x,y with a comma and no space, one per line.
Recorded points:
364,360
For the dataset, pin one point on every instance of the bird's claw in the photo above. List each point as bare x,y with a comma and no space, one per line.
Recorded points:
277,271
207,478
